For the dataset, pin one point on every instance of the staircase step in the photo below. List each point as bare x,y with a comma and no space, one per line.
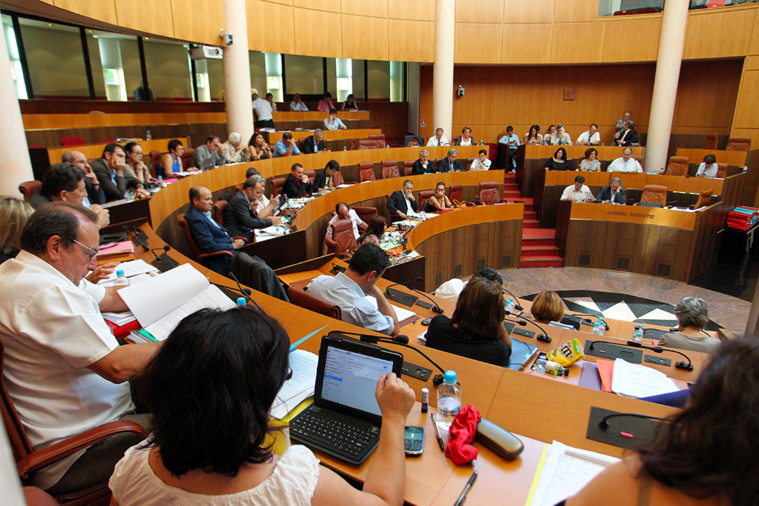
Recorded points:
543,233
533,262
539,251
531,224
530,243
530,215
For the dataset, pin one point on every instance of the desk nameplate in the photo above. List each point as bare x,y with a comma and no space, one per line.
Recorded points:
682,220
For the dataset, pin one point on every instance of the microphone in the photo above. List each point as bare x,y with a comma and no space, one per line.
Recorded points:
592,316
406,284
523,322
604,423
245,291
134,235
517,306
164,256
655,349
400,340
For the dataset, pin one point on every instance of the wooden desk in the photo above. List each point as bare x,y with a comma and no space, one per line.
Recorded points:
290,120
735,158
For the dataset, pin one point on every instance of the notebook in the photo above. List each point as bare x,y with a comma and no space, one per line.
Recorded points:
344,419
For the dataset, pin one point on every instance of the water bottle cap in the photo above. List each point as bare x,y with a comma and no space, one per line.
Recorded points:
595,324
639,334
242,301
120,273
450,377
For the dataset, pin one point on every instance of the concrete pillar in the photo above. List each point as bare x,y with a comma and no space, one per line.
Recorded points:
413,70
671,43
237,71
442,80
15,164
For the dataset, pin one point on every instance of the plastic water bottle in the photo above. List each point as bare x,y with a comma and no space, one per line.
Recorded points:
595,329
637,334
121,280
160,182
601,327
149,136
242,301
510,306
448,400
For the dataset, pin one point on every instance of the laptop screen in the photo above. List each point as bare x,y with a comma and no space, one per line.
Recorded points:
351,379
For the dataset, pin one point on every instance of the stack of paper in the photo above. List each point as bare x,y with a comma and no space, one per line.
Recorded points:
131,270
119,318
632,380
299,387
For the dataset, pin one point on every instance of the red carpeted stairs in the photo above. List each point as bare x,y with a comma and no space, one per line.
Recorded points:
538,244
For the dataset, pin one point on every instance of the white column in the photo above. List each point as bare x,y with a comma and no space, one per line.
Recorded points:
15,164
442,84
237,71
671,43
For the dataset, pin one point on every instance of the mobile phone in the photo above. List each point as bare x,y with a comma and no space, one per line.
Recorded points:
426,321
413,440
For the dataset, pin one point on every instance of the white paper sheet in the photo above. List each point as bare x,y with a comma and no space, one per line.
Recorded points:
211,297
632,380
300,386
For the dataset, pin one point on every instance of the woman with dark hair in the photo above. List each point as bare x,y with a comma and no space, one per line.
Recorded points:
559,160
590,162
533,137
702,455
350,103
259,148
134,159
547,307
439,201
171,162
692,317
476,328
466,137
374,231
210,388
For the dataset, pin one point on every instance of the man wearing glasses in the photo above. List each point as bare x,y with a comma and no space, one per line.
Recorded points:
64,370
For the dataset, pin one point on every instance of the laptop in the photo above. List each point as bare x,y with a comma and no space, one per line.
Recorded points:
344,420
207,164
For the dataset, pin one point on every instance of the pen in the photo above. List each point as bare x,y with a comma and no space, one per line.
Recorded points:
462,497
437,433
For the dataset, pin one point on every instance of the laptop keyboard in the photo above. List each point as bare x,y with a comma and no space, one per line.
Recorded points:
334,437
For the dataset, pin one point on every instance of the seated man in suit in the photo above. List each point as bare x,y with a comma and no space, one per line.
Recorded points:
350,289
63,182
296,185
64,370
423,165
314,143
613,193
211,237
241,216
628,136
450,164
211,149
109,170
325,176
95,193
402,203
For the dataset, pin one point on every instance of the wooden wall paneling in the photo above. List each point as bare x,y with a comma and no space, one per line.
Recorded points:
410,40
608,235
425,102
312,27
277,35
321,5
570,11
375,8
576,42
613,100
97,10
622,34
748,101
483,11
526,43
198,20
422,10
478,43
699,86
365,37
729,33
151,17
475,106
458,240
535,11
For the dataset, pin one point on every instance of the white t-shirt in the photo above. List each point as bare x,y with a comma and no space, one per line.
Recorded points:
351,216
434,142
710,172
584,195
477,165
263,109
619,165
53,331
293,482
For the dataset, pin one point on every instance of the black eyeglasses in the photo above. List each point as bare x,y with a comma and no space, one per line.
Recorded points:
91,251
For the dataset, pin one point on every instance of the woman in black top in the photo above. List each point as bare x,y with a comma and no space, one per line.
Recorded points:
439,201
476,329
559,161
350,103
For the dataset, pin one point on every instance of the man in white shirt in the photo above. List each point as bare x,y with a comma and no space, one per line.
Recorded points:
438,140
297,104
481,162
64,370
591,137
512,140
559,137
626,163
577,192
709,168
349,291
343,212
263,111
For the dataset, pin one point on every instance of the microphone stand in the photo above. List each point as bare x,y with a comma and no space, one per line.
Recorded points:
245,292
655,349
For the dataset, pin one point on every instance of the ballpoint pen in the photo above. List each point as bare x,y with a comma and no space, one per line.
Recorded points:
469,483
437,433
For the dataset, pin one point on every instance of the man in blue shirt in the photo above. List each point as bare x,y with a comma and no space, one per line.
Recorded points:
286,147
512,140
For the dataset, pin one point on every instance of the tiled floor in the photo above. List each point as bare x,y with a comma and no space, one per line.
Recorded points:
623,295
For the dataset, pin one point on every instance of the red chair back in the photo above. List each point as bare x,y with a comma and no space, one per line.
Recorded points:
187,158
28,188
337,179
488,193
456,192
738,144
342,241
218,211
276,185
390,169
366,171
408,166
379,140
366,213
721,170
310,301
654,194
424,196
677,166
72,141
